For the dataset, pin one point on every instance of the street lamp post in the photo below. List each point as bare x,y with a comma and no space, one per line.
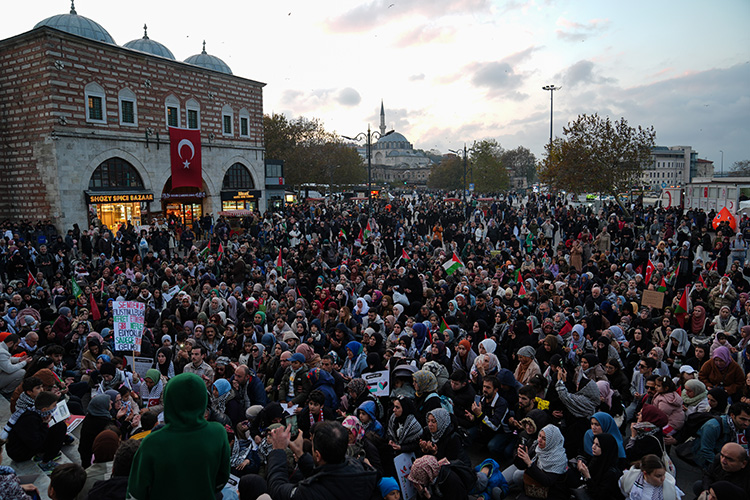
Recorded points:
460,153
551,89
368,136
722,161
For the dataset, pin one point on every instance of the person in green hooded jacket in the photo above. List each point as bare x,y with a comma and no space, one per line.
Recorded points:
188,458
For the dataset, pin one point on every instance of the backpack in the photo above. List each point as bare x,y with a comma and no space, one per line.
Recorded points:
445,402
693,424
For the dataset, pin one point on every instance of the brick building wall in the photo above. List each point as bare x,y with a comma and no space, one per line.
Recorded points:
48,149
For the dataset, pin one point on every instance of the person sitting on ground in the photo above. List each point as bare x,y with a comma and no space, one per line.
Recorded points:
730,464
546,473
115,487
602,474
31,435
66,481
649,479
716,432
327,470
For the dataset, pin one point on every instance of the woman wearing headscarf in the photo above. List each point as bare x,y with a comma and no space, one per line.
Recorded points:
360,447
404,430
618,381
164,363
527,365
435,480
465,356
722,371
438,354
544,475
98,417
639,345
661,369
606,351
485,365
487,346
590,368
356,361
646,436
699,323
577,345
695,397
421,341
440,439
679,349
602,474
603,423
548,349
425,387
152,389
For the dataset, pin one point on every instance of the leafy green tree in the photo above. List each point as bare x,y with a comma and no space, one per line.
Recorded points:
310,153
448,174
488,172
521,161
597,155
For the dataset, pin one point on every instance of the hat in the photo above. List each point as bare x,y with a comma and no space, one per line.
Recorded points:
290,336
388,485
253,411
339,287
108,369
297,357
687,369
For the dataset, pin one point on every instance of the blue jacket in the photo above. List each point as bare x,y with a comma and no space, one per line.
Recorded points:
323,381
710,438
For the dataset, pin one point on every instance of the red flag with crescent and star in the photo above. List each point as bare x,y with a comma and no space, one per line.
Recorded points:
185,155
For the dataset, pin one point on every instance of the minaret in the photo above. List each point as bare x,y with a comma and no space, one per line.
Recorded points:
382,118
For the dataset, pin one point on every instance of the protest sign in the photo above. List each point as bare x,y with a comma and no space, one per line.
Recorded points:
403,464
128,320
653,299
140,365
378,383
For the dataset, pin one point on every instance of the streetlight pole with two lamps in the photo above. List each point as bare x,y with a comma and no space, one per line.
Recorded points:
368,136
551,89
463,154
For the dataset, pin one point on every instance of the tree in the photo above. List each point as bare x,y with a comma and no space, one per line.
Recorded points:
310,153
488,172
597,155
741,168
521,161
448,174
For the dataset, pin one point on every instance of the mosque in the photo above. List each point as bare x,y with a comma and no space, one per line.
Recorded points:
394,159
85,129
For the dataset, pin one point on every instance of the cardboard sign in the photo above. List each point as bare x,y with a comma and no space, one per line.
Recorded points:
403,468
653,299
378,383
128,317
140,365
60,414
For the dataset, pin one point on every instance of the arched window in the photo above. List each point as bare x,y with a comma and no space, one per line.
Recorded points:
172,111
115,173
128,107
193,114
238,177
96,105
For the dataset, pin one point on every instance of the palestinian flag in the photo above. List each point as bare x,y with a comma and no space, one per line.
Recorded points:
714,266
221,251
453,265
94,308
30,281
443,325
565,329
519,276
205,251
682,307
368,230
404,255
279,262
700,278
342,233
521,291
77,292
650,268
662,286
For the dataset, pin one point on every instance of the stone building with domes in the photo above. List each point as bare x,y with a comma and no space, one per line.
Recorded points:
394,159
84,127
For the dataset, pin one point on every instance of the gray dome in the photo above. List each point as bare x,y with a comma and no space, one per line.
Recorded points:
77,25
149,46
208,61
394,137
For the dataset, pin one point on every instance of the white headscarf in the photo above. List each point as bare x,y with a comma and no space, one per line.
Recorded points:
552,457
489,345
361,307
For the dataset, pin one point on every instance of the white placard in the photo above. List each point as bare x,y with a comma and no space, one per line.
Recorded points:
140,365
403,464
128,320
378,383
60,414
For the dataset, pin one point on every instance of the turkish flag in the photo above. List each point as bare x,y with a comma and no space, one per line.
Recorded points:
185,155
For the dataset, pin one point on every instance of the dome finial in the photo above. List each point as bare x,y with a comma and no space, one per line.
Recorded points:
73,7
204,47
145,31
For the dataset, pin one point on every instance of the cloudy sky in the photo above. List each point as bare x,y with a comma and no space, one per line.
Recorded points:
455,71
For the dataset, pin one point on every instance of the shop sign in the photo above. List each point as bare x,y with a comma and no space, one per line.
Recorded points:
174,196
118,198
249,195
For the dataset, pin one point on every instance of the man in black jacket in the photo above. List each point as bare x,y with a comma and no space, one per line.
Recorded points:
731,464
32,436
328,473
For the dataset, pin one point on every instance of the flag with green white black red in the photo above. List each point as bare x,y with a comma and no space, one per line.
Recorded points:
453,265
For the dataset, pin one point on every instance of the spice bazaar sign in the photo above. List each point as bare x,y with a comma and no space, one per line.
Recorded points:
119,198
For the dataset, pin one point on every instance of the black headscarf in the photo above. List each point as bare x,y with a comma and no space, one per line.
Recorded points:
608,458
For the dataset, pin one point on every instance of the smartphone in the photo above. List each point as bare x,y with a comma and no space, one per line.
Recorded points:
291,420
478,399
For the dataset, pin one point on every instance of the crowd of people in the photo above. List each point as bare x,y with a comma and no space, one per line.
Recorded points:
521,348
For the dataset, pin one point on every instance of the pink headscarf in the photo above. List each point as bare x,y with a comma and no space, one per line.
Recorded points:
605,391
723,354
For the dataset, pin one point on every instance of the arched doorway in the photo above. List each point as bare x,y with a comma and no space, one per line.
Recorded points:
116,194
184,204
238,193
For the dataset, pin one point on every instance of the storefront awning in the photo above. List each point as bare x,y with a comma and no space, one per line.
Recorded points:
236,213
